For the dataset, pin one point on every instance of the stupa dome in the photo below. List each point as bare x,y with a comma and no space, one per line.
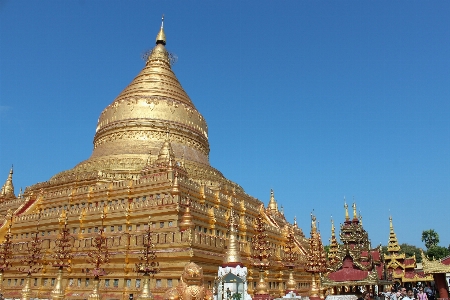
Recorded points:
152,110
153,103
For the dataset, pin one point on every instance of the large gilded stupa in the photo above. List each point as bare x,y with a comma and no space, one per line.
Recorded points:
150,158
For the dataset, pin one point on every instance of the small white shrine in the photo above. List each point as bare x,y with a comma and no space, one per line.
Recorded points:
231,282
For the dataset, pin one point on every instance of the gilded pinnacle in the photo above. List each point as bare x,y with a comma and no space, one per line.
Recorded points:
272,203
346,211
8,188
232,255
161,37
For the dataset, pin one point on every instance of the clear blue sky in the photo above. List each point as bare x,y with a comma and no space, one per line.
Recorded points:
315,99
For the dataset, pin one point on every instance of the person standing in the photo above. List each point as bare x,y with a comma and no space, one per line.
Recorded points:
366,295
421,295
429,292
409,295
401,293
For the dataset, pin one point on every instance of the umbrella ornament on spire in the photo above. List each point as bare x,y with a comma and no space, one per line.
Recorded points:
261,254
261,245
99,255
32,261
63,250
147,264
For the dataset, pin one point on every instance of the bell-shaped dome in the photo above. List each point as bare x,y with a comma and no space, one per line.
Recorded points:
154,102
152,111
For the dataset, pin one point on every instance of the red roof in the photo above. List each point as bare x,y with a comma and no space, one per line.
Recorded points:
412,274
375,255
347,274
446,260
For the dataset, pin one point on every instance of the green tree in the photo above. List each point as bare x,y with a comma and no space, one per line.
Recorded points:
411,250
430,237
438,252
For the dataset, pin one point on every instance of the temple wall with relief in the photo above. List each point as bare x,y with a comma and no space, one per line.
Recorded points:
128,205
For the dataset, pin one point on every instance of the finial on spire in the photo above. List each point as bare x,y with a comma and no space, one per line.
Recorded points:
161,37
295,221
272,203
313,222
346,210
355,217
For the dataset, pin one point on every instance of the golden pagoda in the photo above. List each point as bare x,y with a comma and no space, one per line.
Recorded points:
150,158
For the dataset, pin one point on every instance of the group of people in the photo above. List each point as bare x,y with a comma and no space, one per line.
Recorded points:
403,293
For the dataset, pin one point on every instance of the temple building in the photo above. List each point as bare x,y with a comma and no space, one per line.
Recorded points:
353,266
439,269
400,268
150,158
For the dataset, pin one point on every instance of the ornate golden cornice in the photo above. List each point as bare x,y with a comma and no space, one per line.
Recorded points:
433,266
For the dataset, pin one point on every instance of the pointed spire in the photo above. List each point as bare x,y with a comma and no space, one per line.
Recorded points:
161,37
360,219
355,216
334,246
8,187
232,255
295,222
316,257
186,220
393,246
313,223
347,218
273,206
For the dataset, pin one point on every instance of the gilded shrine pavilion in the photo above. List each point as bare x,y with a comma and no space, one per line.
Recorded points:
88,227
353,266
400,268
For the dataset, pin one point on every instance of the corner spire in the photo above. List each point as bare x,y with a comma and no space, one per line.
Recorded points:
186,220
7,191
161,37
